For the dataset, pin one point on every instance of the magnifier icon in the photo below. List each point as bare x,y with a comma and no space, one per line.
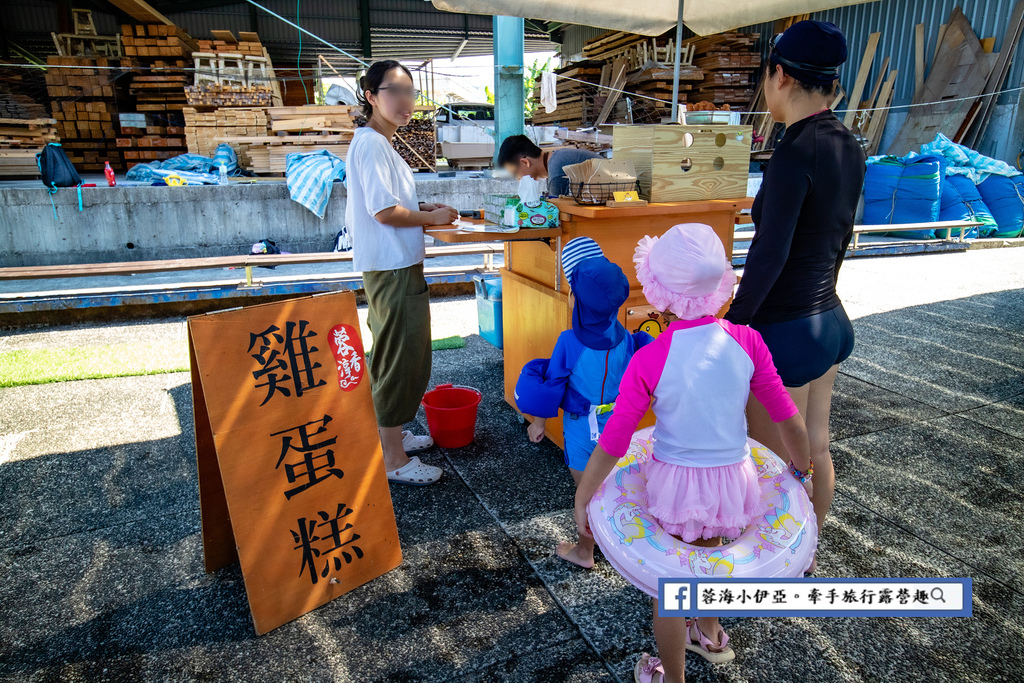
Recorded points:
938,595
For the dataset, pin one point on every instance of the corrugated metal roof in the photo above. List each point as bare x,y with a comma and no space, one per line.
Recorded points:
400,29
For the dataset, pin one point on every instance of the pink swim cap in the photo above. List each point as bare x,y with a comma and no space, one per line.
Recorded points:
685,271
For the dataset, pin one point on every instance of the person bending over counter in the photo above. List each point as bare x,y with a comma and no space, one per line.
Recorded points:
521,157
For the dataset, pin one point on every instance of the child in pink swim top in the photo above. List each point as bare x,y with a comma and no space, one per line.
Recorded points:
697,376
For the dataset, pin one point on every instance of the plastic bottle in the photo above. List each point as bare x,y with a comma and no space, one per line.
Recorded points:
223,180
109,172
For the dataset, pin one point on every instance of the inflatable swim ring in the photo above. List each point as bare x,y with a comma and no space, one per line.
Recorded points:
780,544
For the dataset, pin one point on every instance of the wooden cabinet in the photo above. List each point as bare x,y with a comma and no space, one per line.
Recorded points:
536,295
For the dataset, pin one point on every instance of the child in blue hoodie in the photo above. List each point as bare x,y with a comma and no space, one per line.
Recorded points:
583,374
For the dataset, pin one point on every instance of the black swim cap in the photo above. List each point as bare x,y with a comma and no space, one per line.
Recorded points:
810,51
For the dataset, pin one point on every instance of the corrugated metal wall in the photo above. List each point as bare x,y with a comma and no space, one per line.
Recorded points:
896,20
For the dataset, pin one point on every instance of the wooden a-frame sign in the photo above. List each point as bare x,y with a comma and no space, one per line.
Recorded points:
291,477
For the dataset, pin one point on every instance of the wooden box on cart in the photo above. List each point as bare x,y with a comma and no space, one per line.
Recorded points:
686,163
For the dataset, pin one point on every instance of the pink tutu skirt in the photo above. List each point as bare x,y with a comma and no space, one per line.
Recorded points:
704,502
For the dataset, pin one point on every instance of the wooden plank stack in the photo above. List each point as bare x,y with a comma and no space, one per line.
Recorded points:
86,95
247,43
261,91
205,130
292,130
20,141
218,95
157,41
162,53
141,138
730,63
13,106
611,45
579,97
653,86
83,77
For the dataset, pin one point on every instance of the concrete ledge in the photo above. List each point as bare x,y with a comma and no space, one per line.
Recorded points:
141,223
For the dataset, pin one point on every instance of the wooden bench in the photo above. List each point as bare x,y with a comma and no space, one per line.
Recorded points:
247,261
948,226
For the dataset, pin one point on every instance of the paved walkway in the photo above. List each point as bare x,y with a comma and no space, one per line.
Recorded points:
102,560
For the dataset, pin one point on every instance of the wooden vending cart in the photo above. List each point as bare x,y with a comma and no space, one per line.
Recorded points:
535,293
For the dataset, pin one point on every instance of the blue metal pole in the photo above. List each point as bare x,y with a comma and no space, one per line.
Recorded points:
508,79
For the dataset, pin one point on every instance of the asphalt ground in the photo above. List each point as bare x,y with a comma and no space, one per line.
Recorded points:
101,555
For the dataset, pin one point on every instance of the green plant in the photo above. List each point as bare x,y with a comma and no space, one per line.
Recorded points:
489,94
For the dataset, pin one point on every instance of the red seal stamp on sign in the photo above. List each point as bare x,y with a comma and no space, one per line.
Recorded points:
348,352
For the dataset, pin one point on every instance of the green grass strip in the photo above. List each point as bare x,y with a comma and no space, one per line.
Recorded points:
42,366
447,343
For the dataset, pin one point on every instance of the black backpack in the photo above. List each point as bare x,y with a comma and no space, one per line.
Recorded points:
58,171
55,167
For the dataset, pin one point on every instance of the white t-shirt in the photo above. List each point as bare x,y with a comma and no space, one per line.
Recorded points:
377,178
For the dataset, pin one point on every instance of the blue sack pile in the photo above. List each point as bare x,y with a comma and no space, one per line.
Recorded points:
196,169
903,189
946,182
1005,199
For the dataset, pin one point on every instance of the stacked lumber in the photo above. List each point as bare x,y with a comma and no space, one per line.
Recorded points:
20,141
729,62
87,94
217,95
653,85
157,41
611,45
13,106
83,77
161,53
142,138
84,119
259,80
291,130
159,90
205,130
247,44
579,96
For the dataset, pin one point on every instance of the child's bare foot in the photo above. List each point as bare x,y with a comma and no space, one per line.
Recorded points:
572,553
813,566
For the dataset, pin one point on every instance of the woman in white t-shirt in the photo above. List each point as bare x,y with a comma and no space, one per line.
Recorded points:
386,222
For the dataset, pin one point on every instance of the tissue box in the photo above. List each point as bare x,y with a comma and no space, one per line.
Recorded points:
494,206
523,215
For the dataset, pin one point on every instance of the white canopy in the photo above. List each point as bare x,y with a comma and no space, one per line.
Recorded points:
650,17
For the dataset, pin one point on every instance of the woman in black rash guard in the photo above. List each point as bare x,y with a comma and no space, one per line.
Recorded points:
803,216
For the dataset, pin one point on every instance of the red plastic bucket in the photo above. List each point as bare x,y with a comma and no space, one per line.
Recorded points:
451,414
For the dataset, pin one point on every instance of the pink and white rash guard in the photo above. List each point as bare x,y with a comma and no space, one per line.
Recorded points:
699,374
